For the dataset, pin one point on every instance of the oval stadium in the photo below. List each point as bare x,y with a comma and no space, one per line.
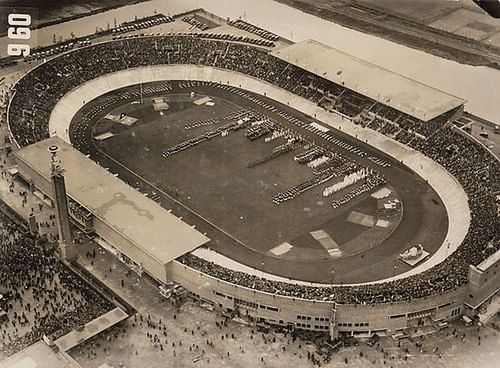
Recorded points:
291,184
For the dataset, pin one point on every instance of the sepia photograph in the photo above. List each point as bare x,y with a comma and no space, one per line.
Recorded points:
249,183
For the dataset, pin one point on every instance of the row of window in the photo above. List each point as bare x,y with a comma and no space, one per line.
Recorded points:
309,318
358,324
320,327
422,312
246,304
316,327
268,307
303,325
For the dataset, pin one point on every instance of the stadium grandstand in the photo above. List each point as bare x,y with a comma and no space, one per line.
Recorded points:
378,84
385,105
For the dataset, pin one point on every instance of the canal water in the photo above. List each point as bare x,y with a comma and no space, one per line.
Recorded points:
477,85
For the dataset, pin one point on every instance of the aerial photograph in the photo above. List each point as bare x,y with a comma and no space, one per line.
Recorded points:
249,183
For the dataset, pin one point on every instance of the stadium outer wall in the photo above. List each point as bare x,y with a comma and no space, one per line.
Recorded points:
315,315
277,309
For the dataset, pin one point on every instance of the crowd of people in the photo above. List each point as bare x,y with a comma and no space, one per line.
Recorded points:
348,180
309,154
233,125
288,146
244,115
374,181
45,298
66,72
238,23
479,174
476,170
399,126
195,22
319,178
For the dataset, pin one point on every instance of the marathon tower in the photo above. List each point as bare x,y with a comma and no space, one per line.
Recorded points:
67,248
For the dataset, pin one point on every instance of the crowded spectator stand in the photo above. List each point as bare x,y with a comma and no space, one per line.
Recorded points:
478,172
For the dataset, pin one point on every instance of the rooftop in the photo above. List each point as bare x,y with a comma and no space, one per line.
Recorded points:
140,219
404,94
38,355
89,330
490,261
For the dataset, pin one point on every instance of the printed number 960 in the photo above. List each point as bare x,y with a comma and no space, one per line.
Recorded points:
19,31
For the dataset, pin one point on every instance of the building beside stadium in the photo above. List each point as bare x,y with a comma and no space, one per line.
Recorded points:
384,86
138,228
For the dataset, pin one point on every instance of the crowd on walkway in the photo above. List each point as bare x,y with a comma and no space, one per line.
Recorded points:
42,296
169,335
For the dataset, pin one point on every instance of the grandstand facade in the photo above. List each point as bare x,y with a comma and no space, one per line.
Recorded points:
369,85
457,283
138,228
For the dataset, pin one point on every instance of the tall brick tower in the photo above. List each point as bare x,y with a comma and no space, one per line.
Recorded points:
67,247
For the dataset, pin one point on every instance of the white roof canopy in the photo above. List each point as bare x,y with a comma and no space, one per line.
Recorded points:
401,93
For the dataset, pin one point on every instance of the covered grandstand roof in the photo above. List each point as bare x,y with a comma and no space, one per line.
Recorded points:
38,355
490,261
141,220
404,94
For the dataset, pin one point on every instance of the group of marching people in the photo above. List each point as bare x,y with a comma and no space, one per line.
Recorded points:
479,174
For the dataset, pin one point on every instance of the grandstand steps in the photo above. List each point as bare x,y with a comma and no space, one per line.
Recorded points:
234,312
155,197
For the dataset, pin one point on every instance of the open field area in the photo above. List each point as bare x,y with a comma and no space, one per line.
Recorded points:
214,189
462,18
212,179
422,11
456,30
